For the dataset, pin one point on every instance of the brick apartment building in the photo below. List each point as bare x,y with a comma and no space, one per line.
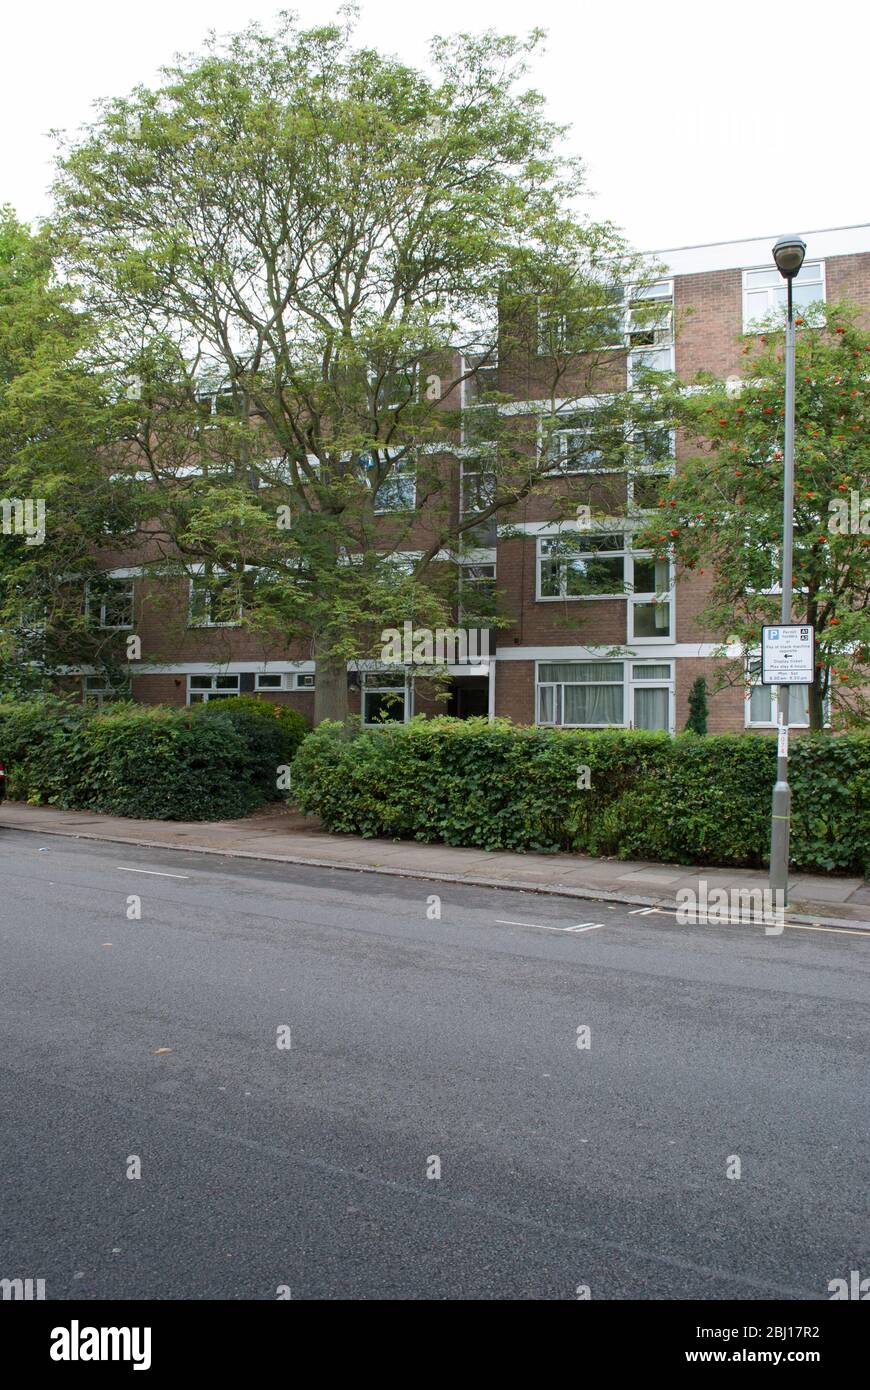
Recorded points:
624,660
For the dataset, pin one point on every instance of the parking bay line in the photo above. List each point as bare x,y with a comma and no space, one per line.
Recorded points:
542,926
155,872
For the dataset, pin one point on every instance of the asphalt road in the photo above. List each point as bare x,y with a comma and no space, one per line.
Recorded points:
304,1168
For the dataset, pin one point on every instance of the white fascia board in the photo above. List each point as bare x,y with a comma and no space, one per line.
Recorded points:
750,252
659,651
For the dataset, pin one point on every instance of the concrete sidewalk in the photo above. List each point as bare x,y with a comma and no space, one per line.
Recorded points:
277,833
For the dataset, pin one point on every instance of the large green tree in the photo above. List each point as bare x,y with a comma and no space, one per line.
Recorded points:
722,512
57,420
337,246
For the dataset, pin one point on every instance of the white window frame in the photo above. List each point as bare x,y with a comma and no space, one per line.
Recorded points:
663,333
776,289
630,682
637,598
205,693
753,682
102,694
95,599
206,622
369,686
265,681
633,598
303,680
576,554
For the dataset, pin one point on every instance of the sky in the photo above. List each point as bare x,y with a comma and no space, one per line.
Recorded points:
696,122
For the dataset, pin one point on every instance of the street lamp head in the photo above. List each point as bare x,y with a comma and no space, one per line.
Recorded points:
789,254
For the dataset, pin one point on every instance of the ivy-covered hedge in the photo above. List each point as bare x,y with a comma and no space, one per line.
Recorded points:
149,761
686,800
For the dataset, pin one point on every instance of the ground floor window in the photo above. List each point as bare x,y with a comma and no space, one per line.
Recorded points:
203,688
605,694
762,702
99,690
385,698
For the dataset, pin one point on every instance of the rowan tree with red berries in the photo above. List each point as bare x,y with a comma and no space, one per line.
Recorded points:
722,511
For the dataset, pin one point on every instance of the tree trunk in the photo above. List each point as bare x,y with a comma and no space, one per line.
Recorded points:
330,689
817,704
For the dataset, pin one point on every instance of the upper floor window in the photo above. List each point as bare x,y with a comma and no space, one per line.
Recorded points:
398,490
109,603
215,600
639,318
765,292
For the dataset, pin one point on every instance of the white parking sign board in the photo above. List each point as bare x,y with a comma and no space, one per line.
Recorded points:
787,655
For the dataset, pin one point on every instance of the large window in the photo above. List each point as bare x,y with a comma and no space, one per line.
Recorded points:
110,602
215,600
637,318
762,701
595,565
765,292
384,697
398,489
101,690
200,689
603,694
582,565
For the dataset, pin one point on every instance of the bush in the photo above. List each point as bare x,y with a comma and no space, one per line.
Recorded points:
500,787
292,725
149,761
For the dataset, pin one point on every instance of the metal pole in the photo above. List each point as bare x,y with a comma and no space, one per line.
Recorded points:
781,810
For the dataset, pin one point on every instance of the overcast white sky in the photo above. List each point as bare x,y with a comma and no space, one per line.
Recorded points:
697,122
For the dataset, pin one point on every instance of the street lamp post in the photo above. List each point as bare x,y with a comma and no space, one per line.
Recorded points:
788,253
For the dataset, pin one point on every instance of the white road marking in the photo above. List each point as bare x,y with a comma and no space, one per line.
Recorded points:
156,872
542,926
642,911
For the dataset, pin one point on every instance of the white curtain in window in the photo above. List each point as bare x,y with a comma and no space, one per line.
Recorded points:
651,707
593,704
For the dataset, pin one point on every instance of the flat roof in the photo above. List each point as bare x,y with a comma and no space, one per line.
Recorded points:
756,251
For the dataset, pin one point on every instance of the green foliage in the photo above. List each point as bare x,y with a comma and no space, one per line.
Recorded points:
290,724
151,762
500,787
721,514
697,720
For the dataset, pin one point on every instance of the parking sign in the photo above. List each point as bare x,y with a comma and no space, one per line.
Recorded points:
788,654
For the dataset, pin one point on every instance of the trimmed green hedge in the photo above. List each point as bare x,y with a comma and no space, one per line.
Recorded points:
148,761
500,787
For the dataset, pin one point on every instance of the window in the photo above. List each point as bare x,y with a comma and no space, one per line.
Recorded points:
476,591
99,690
215,600
215,402
649,611
109,602
601,694
200,689
581,565
650,329
303,680
476,493
269,681
765,292
584,444
587,328
398,488
384,697
762,702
